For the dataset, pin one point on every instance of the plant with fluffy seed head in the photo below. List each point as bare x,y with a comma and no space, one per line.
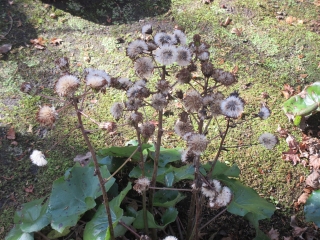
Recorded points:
95,82
207,68
141,185
109,126
135,118
166,54
47,116
38,158
223,77
26,87
147,29
163,86
117,110
184,76
136,48
232,106
268,140
67,85
144,67
180,37
162,38
192,101
183,56
159,101
264,112
170,238
147,129
197,143
182,128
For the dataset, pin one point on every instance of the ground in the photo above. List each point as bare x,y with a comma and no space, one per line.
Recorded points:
270,43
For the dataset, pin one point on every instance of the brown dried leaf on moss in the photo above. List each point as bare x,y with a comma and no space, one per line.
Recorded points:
273,234
11,134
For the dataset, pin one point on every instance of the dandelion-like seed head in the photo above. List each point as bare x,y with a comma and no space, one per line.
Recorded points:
125,83
26,87
226,78
187,156
184,76
197,143
141,185
108,126
67,85
38,158
95,82
47,116
203,56
62,63
147,129
170,238
162,38
214,106
208,191
166,54
183,56
207,68
135,118
136,47
208,100
223,199
163,86
133,104
232,106
144,67
182,128
264,112
192,101
99,73
159,101
138,91
268,140
117,110
180,37
146,29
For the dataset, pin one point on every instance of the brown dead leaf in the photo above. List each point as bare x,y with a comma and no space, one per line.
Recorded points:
29,189
303,76
288,238
226,22
314,161
237,31
288,177
5,48
56,41
11,134
302,179
235,70
273,234
38,43
19,23
291,155
313,180
317,3
287,91
292,143
14,143
290,20
303,198
282,132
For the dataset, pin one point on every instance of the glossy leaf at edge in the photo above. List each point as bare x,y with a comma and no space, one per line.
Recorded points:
312,208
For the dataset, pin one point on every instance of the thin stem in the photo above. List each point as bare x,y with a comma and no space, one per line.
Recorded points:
130,229
94,121
51,98
214,218
172,189
123,164
179,228
42,235
97,169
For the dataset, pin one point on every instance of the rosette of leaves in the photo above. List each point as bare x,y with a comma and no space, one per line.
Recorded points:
303,104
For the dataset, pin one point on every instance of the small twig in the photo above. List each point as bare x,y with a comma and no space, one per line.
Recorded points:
52,98
172,189
214,218
132,231
94,121
179,228
7,178
42,235
125,162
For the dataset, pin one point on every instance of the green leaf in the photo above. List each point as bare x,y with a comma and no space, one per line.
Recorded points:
113,163
123,151
168,217
120,230
167,198
34,216
55,234
166,156
72,197
98,227
246,202
312,208
17,234
222,168
169,178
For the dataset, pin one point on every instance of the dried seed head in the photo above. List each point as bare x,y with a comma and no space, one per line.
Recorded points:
135,118
47,116
136,47
203,56
232,106
109,126
147,129
133,104
196,39
117,110
95,82
268,140
147,29
163,86
184,76
67,85
26,87
62,63
179,94
180,37
141,185
192,101
222,199
152,46
166,54
192,67
226,78
182,128
144,67
211,190
197,143
159,101
138,91
124,83
38,158
98,73
183,56
162,38
264,112
207,68
215,108
187,156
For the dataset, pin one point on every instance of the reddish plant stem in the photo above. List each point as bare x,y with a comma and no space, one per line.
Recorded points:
97,169
132,231
215,217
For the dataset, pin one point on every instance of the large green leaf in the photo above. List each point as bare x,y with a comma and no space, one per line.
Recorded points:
246,202
166,156
53,234
222,168
17,234
303,104
168,217
73,196
98,227
123,151
33,216
312,208
167,198
113,163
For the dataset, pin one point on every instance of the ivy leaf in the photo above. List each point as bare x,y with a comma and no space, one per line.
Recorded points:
74,194
312,208
167,198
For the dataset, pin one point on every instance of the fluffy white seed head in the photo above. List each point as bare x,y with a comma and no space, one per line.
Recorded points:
181,128
67,85
147,129
47,116
192,101
141,185
180,37
117,110
136,48
183,56
38,158
223,199
146,29
144,67
232,106
268,140
159,101
170,238
264,112
162,38
197,143
95,82
166,54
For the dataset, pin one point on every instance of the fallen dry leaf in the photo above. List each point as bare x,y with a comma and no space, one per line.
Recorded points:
56,41
282,132
19,23
11,134
290,20
237,31
317,3
313,180
291,141
303,76
273,234
29,189
303,198
235,70
5,48
291,155
314,161
226,22
38,43
287,91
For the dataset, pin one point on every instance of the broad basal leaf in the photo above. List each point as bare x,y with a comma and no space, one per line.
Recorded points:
312,208
74,195
166,156
17,234
167,198
222,168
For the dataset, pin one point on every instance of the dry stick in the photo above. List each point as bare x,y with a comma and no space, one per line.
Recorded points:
52,98
213,218
42,235
179,228
125,162
144,196
97,169
172,189
94,121
127,227
220,148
